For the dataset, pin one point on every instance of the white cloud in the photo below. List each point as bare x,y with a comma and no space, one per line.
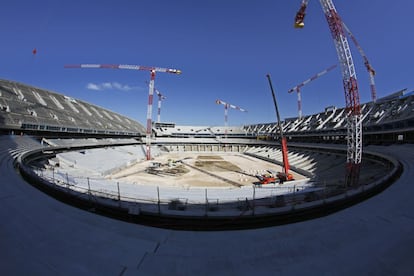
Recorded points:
106,85
110,86
92,86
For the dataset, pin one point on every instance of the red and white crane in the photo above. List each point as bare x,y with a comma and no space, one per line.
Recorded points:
299,86
368,66
226,107
161,97
285,175
350,84
153,71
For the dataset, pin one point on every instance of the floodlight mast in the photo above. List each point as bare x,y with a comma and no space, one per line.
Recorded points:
153,71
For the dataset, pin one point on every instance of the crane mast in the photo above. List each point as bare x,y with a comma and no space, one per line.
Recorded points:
368,66
148,132
299,86
352,103
226,108
153,71
161,97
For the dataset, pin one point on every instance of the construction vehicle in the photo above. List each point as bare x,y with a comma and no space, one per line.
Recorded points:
267,178
284,175
272,176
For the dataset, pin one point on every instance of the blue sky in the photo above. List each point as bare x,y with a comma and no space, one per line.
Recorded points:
224,48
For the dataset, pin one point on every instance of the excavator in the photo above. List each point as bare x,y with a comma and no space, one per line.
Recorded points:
285,175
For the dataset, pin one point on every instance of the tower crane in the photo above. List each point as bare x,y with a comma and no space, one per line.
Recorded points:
161,97
285,175
368,66
153,71
299,86
350,84
226,107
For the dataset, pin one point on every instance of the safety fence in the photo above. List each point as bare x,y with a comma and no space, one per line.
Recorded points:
159,199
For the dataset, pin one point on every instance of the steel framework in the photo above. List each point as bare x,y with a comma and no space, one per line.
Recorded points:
352,103
367,64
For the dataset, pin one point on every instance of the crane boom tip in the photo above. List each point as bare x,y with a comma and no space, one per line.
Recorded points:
174,71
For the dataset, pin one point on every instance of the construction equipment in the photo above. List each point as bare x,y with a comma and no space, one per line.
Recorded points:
226,107
285,175
271,177
152,70
368,66
161,97
267,179
299,86
300,15
350,84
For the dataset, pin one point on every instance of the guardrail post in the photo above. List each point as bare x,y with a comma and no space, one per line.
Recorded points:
158,194
119,192
206,202
89,189
254,199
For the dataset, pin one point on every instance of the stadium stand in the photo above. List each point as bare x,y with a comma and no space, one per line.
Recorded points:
28,109
33,110
326,168
188,131
388,120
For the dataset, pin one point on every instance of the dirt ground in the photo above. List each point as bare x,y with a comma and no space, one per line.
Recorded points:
198,170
